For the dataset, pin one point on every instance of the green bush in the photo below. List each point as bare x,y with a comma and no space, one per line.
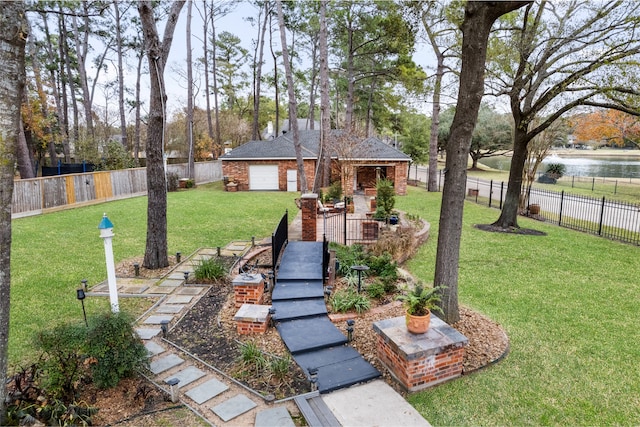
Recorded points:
385,198
376,290
555,170
115,349
347,300
280,367
62,359
210,269
335,191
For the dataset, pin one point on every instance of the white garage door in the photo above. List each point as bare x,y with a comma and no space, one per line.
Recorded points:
263,177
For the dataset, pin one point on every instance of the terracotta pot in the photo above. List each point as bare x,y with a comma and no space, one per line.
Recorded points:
534,209
418,324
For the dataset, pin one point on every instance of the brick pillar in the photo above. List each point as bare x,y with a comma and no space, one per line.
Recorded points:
248,289
309,204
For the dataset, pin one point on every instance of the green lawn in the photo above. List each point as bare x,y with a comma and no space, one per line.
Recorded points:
568,300
52,253
569,304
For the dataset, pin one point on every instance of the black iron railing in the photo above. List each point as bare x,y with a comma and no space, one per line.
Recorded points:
279,238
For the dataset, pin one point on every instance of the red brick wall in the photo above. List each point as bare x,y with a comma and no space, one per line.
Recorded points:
309,217
423,372
248,294
245,327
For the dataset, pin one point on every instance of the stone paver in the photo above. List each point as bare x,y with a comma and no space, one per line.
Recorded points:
206,391
165,363
157,319
153,348
170,308
191,290
179,299
147,333
179,275
278,416
173,283
231,408
161,290
134,289
187,376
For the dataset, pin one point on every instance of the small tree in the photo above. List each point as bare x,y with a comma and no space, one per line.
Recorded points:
385,199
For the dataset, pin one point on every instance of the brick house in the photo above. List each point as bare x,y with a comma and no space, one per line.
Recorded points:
271,165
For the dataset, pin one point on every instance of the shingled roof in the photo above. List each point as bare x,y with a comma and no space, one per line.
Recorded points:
281,148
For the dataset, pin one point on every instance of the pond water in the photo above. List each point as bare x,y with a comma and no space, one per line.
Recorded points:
605,166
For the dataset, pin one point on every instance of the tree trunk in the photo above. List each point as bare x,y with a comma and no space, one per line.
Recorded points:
325,103
13,29
216,103
478,19
509,214
82,47
205,55
189,128
155,255
293,105
258,75
25,163
121,107
432,180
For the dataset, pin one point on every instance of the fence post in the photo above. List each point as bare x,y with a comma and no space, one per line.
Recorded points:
561,205
573,178
501,190
593,183
490,191
345,220
601,217
615,188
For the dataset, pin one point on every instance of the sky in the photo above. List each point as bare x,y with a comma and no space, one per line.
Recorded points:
237,25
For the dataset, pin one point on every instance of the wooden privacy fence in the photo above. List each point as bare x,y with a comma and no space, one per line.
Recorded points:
40,195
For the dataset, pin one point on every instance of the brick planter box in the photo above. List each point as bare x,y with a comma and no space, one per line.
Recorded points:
418,361
248,289
252,319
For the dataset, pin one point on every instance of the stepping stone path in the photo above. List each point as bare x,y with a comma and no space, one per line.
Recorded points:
220,400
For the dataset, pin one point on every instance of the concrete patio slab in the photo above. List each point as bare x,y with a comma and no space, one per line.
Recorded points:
165,363
206,391
179,299
191,290
157,319
278,416
170,308
153,348
186,376
147,333
231,408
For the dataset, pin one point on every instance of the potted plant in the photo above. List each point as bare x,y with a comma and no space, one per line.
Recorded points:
418,303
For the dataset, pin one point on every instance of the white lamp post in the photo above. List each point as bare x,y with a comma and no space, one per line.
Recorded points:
106,232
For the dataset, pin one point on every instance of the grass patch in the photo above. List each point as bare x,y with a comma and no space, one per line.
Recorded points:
52,253
567,301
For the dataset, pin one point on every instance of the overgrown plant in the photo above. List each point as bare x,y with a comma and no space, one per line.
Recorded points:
210,269
385,199
114,349
347,300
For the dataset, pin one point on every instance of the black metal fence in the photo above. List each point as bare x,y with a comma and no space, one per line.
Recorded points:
340,227
610,219
279,238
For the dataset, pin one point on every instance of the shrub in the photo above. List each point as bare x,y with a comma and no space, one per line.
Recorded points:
385,198
280,367
555,170
376,290
210,269
346,300
251,357
115,349
62,359
335,191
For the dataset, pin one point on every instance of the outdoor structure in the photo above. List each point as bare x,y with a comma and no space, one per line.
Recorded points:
419,361
358,163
